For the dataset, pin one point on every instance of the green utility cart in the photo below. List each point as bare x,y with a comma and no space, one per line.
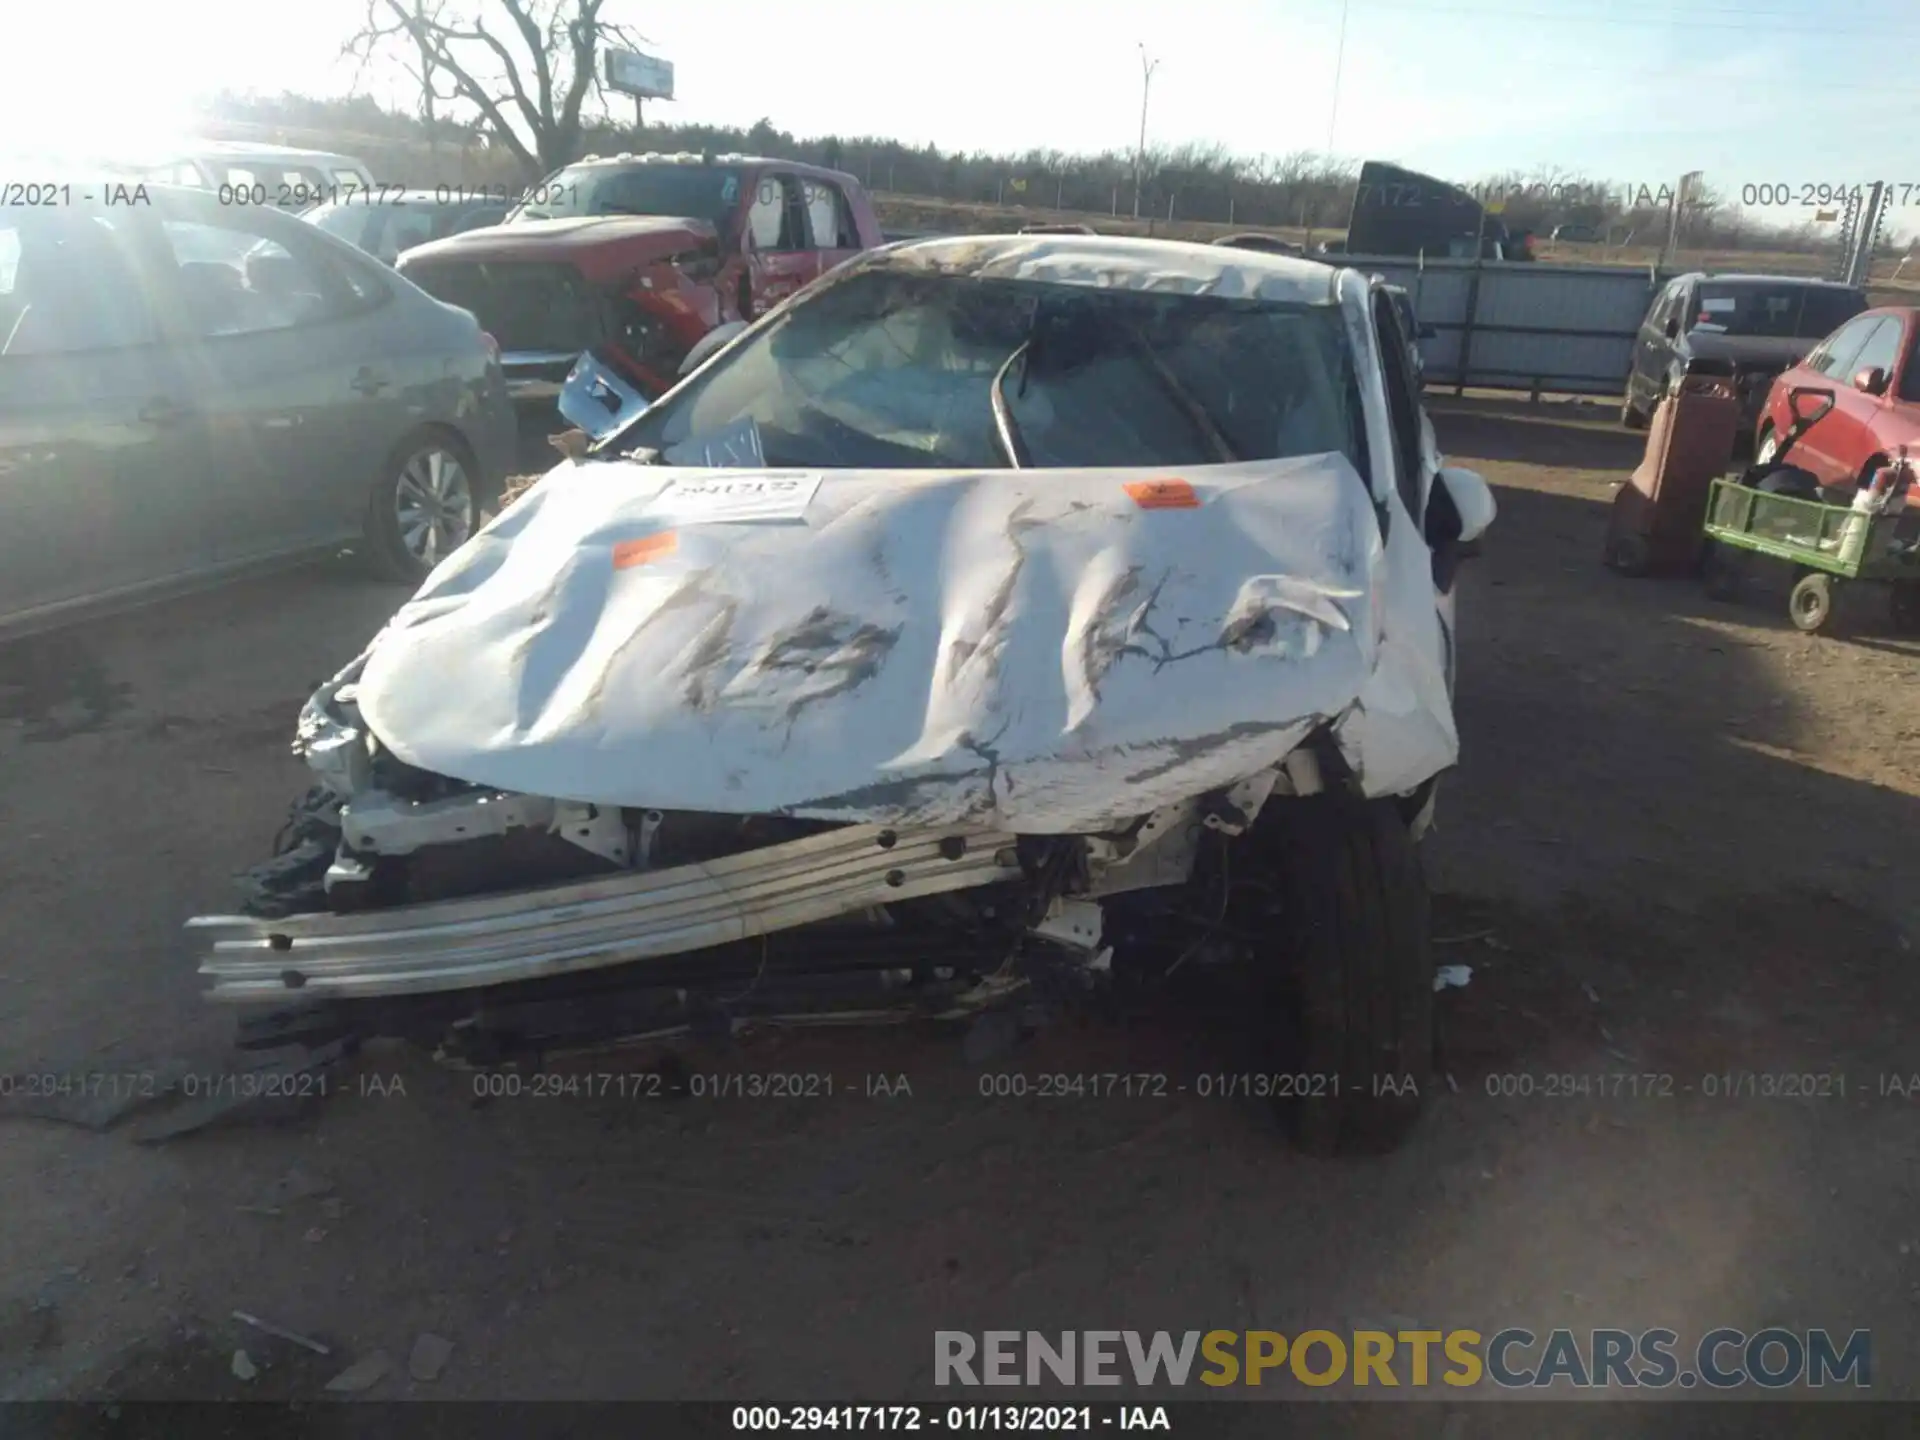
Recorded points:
1826,544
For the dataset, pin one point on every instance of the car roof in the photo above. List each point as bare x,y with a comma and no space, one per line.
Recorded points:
233,148
692,157
1741,278
1117,262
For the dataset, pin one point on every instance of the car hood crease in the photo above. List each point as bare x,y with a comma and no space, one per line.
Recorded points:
1044,650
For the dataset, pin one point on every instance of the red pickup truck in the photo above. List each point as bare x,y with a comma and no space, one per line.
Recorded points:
636,257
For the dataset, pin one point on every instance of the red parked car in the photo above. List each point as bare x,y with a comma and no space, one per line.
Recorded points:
636,257
1872,364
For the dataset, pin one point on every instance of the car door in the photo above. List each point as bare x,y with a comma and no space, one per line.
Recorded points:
1900,422
1825,449
781,258
1852,430
1643,380
103,464
274,336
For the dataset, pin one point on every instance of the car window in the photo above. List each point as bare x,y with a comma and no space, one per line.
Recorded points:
897,371
778,217
406,227
344,219
1840,348
830,217
180,172
234,280
1781,310
70,283
1910,377
1882,345
699,192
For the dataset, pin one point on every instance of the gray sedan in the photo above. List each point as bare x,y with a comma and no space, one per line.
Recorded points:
190,389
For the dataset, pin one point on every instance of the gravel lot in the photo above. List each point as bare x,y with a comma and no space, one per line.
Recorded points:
1681,841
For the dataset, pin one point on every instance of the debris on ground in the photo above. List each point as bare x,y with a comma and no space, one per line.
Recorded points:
429,1357
293,1337
362,1375
1452,977
243,1366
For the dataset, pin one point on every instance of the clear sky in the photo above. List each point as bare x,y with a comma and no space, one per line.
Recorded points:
1627,91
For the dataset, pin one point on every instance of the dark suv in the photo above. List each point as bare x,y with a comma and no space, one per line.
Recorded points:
1760,324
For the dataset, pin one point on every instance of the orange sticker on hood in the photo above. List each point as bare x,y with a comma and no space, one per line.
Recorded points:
1163,495
629,553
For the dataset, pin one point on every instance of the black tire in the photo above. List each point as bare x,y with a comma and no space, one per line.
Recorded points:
392,549
1810,603
1631,417
1350,991
1904,603
1629,554
1723,568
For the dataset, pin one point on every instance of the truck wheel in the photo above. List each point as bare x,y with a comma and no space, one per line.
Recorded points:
1810,603
1350,991
1632,418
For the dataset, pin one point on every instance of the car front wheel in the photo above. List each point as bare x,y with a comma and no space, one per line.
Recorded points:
1350,1010
423,508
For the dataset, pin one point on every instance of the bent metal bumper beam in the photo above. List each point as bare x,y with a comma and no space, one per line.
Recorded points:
609,920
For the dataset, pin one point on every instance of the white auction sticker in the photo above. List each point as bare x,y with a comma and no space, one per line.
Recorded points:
737,495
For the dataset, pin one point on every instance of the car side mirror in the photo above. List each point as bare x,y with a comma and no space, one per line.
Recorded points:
1460,508
1673,328
1871,381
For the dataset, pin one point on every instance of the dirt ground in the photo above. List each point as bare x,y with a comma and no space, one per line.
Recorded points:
1680,842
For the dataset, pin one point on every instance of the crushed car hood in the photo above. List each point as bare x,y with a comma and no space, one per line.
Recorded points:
600,246
1052,650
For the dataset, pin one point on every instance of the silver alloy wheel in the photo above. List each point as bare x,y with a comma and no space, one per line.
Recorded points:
1769,447
433,504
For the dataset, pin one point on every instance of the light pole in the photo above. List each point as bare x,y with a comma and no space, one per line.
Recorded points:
1147,68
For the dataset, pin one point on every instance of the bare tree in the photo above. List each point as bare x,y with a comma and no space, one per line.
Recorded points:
527,66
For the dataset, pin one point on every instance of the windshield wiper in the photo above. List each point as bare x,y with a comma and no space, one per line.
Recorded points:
533,215
1196,413
1005,427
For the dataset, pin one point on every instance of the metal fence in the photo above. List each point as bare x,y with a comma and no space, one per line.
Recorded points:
1517,325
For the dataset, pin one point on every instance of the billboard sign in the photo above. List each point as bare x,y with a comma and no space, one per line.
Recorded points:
645,77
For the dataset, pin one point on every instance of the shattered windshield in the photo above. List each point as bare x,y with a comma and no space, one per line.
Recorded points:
889,370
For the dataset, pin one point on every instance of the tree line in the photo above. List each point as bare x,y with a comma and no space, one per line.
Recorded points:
1190,182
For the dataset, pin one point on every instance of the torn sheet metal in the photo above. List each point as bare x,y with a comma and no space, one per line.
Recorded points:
924,647
597,398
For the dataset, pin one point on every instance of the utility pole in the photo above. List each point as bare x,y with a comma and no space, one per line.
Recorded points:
1147,68
1339,62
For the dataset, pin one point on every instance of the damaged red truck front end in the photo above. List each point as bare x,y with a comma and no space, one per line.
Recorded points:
635,258
637,290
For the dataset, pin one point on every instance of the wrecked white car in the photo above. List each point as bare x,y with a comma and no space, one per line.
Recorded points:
994,610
